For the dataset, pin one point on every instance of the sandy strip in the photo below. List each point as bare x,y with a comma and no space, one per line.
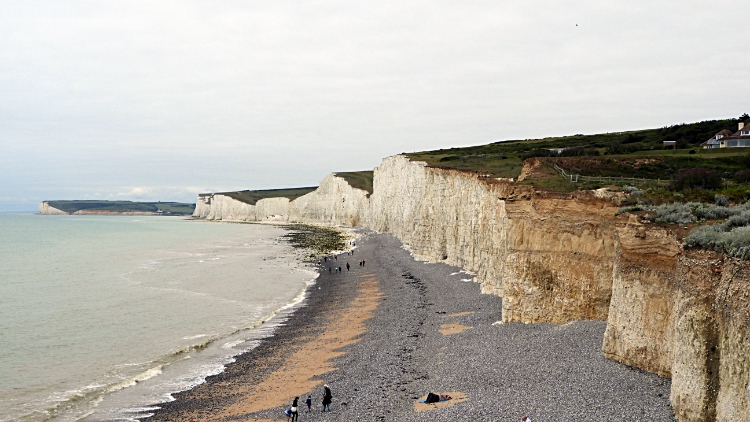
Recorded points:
457,397
311,359
453,328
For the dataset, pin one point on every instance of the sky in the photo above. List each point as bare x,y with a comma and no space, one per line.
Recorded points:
146,101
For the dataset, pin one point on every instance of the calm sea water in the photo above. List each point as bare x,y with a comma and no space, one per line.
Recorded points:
101,316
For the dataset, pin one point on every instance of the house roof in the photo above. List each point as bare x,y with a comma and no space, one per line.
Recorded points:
724,133
745,128
712,141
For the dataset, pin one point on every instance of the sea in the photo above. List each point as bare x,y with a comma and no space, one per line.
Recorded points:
104,317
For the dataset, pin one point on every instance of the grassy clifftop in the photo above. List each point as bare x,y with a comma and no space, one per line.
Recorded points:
633,154
504,159
173,208
358,179
253,196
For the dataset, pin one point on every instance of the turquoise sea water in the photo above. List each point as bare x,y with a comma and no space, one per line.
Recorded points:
89,305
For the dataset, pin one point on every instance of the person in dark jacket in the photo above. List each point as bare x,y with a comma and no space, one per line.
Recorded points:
295,410
327,396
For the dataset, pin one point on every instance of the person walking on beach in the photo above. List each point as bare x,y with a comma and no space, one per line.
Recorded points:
526,419
295,413
327,396
329,270
308,402
347,266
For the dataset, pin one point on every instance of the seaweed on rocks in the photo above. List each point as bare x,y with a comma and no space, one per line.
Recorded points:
319,240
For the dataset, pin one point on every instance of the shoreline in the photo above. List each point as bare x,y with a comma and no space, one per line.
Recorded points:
430,332
214,353
299,323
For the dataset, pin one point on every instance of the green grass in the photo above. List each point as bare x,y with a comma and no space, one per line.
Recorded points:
253,196
358,180
504,159
649,167
174,208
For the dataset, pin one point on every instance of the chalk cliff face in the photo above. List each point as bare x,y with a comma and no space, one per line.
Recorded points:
443,215
551,259
560,257
684,315
334,202
46,209
226,208
202,205
272,209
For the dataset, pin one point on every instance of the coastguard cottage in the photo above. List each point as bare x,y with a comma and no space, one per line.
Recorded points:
727,139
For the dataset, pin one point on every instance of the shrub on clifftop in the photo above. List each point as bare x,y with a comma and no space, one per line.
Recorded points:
696,178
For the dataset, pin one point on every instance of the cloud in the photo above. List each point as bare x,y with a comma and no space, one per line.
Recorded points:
137,192
103,97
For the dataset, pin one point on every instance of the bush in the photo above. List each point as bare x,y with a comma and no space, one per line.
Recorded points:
677,213
731,237
742,176
450,158
745,160
696,178
721,200
536,153
615,149
629,209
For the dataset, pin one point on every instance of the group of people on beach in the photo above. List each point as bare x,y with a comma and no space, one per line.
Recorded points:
338,269
292,414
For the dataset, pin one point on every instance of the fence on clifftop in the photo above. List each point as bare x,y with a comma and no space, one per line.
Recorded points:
574,178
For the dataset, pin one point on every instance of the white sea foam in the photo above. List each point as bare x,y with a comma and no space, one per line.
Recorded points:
195,337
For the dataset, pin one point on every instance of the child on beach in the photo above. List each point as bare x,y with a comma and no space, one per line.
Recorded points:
288,413
308,402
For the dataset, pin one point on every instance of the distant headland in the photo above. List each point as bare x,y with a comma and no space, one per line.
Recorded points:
84,207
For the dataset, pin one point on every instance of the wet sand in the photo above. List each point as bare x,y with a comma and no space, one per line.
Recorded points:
384,335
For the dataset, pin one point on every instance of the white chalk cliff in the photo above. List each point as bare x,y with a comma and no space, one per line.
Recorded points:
556,258
46,209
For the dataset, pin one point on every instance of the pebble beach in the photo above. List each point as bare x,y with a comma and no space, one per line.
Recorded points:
384,335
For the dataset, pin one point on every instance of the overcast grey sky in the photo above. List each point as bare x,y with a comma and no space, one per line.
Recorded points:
160,100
